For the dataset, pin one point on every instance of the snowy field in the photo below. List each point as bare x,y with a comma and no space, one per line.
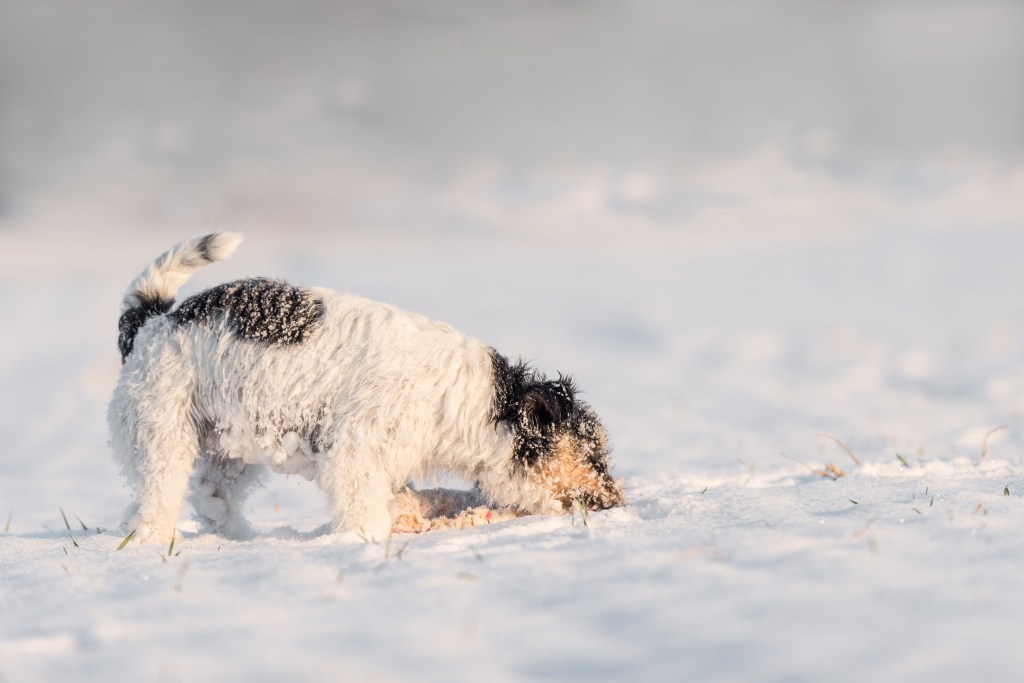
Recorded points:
742,315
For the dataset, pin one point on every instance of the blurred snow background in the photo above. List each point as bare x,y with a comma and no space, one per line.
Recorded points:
352,117
738,224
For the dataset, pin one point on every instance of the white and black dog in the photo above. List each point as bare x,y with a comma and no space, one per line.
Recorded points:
354,394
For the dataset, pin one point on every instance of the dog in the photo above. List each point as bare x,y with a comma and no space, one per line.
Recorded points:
356,395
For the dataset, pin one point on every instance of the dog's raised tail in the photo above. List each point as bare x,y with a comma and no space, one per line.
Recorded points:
154,290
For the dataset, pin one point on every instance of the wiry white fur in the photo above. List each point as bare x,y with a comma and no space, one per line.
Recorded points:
161,280
392,396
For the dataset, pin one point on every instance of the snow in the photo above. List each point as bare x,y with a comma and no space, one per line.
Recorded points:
730,563
729,309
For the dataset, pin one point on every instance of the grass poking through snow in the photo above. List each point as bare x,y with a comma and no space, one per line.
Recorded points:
584,514
127,539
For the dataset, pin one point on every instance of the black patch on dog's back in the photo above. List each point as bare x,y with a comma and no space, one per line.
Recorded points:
256,309
131,320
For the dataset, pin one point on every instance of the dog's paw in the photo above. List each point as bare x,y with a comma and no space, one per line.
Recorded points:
374,528
211,513
142,532
376,534
237,529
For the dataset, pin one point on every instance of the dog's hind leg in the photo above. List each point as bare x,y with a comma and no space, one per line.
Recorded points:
155,440
163,461
219,489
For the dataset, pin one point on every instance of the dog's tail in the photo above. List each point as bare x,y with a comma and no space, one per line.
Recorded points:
153,291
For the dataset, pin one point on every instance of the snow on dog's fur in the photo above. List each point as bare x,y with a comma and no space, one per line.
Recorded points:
354,394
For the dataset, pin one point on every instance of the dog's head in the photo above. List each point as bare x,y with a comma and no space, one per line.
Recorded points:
559,445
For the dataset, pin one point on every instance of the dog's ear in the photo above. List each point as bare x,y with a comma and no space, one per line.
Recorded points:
548,403
539,409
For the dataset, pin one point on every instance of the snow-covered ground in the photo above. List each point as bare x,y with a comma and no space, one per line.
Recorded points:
731,314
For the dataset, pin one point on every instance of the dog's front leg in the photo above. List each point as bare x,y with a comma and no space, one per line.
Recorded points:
359,491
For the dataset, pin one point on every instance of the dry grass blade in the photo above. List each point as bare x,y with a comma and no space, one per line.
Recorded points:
65,519
867,527
170,549
842,445
84,527
834,471
830,472
7,526
127,539
984,442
